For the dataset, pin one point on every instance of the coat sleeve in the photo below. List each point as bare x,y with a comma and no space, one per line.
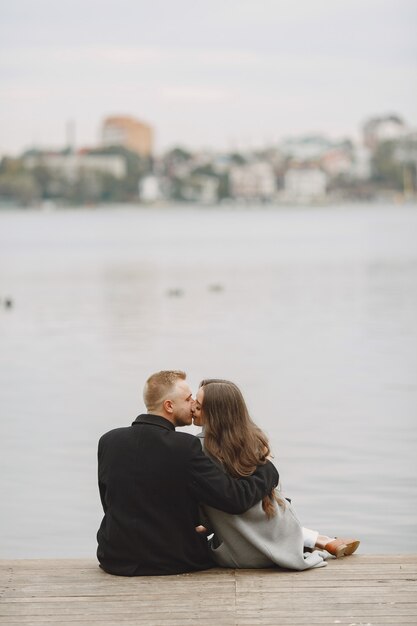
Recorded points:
210,485
101,485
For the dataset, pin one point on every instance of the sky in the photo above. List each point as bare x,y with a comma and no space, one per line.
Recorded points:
224,74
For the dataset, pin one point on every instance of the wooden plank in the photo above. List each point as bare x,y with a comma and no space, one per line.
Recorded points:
391,594
311,620
112,620
359,590
91,564
300,603
141,618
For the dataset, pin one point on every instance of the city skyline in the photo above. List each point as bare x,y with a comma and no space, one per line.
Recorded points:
222,77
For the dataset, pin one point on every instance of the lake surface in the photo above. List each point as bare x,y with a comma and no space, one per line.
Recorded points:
311,311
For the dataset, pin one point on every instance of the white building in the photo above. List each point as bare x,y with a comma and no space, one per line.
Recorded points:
304,185
252,181
361,165
150,189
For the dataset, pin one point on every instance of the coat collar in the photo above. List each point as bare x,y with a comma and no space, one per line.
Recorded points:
154,420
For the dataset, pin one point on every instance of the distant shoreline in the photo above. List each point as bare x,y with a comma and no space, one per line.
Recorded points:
233,205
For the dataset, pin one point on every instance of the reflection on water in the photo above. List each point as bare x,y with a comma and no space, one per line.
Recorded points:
314,317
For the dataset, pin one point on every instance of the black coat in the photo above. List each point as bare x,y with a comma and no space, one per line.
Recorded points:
151,481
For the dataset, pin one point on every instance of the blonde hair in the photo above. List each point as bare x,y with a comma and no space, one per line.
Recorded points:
232,437
158,386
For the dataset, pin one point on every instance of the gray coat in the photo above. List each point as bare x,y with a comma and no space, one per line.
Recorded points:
251,540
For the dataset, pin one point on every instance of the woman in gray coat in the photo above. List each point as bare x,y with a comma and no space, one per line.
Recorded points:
269,534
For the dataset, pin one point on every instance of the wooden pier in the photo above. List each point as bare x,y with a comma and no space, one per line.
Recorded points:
360,590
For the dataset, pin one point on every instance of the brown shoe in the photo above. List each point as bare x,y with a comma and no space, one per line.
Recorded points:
342,547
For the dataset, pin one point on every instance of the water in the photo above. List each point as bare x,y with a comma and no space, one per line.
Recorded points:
315,319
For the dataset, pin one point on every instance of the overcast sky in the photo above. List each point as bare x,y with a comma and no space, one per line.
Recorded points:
223,73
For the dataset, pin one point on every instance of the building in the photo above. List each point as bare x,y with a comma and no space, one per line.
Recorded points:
362,163
128,132
252,181
200,188
71,165
304,184
150,189
336,162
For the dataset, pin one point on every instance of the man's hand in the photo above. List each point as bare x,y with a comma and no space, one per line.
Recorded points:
201,529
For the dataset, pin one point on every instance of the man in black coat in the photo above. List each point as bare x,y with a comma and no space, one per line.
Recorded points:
151,481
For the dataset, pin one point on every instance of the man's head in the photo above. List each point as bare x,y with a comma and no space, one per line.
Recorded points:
168,394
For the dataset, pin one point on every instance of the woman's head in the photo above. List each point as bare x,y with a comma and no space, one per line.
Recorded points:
229,435
221,407
198,413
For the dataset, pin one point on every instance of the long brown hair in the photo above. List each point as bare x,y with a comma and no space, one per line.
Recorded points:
231,436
